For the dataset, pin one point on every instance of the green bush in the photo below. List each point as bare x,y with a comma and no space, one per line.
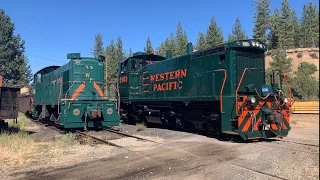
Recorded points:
67,139
140,127
305,86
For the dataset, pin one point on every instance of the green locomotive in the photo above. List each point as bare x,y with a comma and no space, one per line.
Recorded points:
218,90
72,96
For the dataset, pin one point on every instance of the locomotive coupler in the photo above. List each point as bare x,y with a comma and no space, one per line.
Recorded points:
272,117
275,118
94,112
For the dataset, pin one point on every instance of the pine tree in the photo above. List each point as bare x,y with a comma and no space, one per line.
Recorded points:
310,26
110,69
286,38
181,41
280,62
26,75
112,61
98,46
158,51
214,35
296,30
148,45
161,50
273,37
230,38
201,42
130,53
120,54
261,22
171,45
237,32
14,66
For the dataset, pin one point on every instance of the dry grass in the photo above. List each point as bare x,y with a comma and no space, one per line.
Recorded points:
17,147
21,149
140,127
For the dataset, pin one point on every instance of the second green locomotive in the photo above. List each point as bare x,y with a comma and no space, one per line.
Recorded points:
72,96
219,90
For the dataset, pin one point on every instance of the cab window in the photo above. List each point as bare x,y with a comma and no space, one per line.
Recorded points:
124,66
39,78
134,64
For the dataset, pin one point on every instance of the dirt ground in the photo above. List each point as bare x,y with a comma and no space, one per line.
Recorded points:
182,155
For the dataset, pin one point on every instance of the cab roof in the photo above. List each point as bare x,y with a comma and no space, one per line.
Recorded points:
145,56
54,67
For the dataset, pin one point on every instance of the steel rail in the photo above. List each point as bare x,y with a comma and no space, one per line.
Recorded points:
128,135
97,139
260,172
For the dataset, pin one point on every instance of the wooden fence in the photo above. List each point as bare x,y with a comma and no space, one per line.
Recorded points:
311,107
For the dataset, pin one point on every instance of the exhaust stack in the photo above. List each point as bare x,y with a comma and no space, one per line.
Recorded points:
189,48
168,54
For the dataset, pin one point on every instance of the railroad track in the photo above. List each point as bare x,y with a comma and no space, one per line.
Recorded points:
132,136
48,125
83,137
259,172
306,144
80,136
277,145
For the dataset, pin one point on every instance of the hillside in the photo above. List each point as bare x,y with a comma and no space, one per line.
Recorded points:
300,55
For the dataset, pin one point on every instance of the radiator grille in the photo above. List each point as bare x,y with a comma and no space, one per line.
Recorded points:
250,59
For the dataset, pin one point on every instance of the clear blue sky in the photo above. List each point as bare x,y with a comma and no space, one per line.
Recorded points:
51,29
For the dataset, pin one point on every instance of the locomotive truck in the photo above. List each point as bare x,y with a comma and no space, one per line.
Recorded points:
72,96
219,90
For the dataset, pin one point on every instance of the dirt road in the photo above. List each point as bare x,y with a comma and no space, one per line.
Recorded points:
194,156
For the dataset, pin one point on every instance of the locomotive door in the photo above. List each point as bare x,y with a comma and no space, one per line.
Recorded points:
134,88
134,80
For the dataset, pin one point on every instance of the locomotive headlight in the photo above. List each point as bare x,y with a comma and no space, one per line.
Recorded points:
252,99
265,90
286,100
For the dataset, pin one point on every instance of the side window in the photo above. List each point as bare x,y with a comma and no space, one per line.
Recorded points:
39,78
124,67
140,65
134,64
222,58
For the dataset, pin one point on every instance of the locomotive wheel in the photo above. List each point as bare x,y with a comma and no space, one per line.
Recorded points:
179,124
125,119
171,123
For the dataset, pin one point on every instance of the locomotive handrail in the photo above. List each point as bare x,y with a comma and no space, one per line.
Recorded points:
289,91
222,87
65,95
59,98
240,81
117,88
285,80
244,71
